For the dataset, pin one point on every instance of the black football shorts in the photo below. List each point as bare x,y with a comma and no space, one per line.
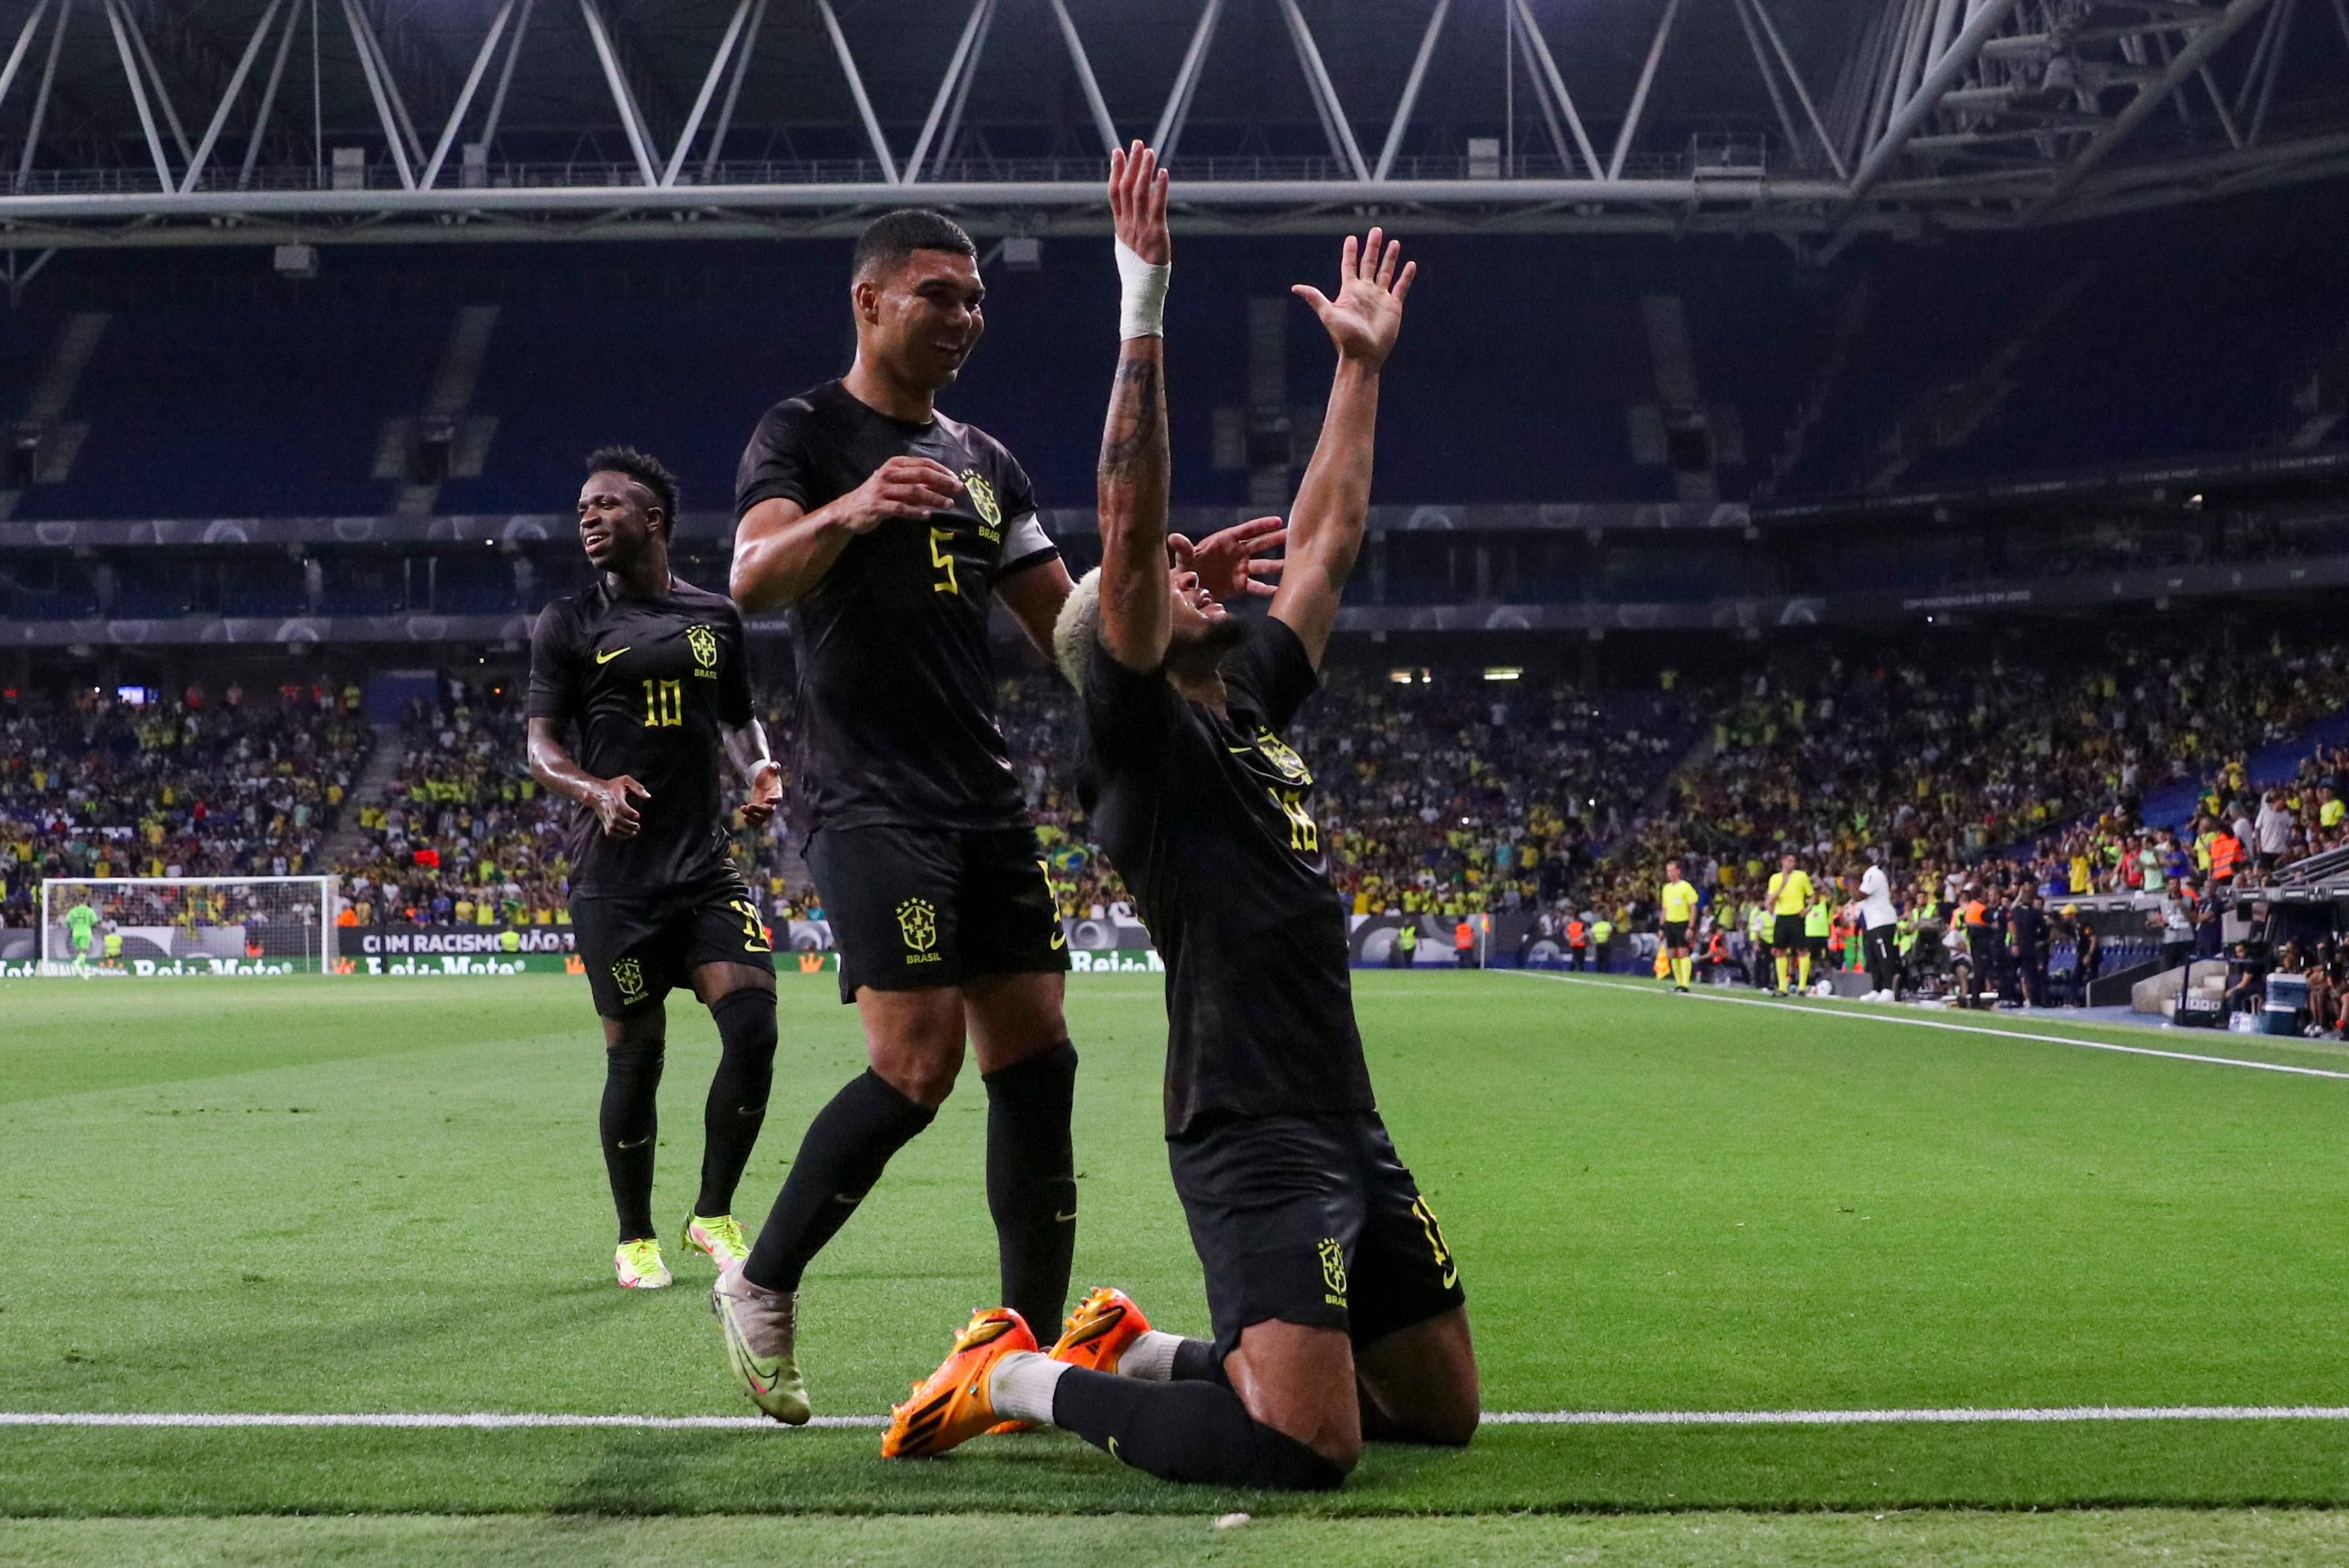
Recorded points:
1787,932
1676,933
1312,1220
636,950
914,907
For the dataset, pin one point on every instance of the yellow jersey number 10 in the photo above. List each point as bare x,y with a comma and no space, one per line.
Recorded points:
664,704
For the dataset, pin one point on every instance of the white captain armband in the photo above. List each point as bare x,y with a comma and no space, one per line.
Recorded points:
1025,542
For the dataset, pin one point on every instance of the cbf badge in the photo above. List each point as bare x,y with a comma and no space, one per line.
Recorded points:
704,644
982,498
917,922
629,976
1333,1271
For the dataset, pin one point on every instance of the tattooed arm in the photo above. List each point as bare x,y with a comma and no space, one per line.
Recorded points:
1136,605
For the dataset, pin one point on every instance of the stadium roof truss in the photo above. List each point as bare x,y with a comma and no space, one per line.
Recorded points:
160,122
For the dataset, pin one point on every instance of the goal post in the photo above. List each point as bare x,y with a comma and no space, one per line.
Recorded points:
189,925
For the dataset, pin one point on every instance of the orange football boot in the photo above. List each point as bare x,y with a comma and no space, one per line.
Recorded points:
1102,1328
1100,1331
951,1407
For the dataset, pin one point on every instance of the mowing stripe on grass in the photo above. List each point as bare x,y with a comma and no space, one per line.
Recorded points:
1933,1024
505,1421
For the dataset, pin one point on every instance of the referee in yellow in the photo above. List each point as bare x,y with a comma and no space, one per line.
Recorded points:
1789,900
1677,901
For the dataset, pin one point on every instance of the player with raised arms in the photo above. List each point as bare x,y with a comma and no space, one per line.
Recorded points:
652,675
1336,1301
889,529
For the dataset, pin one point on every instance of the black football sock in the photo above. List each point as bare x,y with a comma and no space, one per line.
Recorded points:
1196,1361
1032,1182
847,1147
737,1106
630,1125
1185,1431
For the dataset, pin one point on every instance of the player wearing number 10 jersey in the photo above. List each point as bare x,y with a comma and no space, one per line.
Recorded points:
650,675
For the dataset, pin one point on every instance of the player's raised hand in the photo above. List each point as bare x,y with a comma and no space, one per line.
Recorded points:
902,487
1235,561
766,793
1367,313
613,808
1137,203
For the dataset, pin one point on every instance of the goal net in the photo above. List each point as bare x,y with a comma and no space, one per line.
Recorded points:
189,925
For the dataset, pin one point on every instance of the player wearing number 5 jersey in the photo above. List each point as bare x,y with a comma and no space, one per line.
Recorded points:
649,674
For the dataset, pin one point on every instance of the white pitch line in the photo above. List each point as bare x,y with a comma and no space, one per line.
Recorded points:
485,1422
497,1422
1706,996
1941,1417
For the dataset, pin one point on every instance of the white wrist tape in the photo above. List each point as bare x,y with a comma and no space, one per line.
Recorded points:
1142,295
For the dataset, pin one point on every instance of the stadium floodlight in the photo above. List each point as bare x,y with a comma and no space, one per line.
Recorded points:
189,925
1502,673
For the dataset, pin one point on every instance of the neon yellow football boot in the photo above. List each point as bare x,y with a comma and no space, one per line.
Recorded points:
638,1266
761,1327
718,1237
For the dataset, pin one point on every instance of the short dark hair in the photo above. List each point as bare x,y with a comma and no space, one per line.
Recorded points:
647,470
892,238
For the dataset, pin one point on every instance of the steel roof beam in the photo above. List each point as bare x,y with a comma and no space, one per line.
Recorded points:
24,45
1095,102
269,95
1648,79
1410,99
1343,145
228,98
1557,83
1187,82
139,95
2188,60
41,98
733,92
465,94
360,34
856,91
632,120
964,59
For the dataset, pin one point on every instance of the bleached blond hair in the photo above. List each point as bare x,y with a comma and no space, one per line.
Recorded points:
1078,628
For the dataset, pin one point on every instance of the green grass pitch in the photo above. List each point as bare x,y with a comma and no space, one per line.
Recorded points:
384,1196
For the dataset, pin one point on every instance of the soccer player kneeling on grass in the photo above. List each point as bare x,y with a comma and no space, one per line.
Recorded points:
1336,1301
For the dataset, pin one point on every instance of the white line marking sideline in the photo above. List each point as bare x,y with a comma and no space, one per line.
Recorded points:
1871,1018
495,1422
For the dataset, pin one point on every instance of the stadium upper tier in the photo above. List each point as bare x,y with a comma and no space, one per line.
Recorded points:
1536,369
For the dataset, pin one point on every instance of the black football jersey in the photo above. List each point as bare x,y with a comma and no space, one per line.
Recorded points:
896,709
1208,818
647,684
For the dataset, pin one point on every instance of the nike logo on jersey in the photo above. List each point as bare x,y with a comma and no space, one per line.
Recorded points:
605,658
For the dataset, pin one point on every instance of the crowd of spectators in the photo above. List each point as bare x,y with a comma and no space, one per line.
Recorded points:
1443,794
2006,771
464,836
461,835
196,784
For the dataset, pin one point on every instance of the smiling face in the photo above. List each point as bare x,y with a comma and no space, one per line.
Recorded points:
618,521
922,317
1202,631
